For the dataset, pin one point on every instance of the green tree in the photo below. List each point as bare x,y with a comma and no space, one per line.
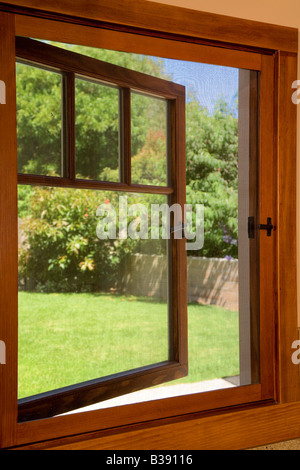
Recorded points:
212,175
39,120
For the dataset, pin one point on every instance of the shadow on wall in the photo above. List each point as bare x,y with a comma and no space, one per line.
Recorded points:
210,280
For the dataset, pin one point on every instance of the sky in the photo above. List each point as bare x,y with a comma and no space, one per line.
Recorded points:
210,82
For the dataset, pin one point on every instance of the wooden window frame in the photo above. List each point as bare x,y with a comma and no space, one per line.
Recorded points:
244,44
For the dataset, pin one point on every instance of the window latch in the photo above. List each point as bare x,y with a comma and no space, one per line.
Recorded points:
268,226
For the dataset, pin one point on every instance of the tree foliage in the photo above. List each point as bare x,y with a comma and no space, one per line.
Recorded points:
97,116
39,120
212,175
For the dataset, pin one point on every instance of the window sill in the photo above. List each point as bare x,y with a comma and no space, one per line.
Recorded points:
233,429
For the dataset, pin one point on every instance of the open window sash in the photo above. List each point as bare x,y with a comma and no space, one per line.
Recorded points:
72,65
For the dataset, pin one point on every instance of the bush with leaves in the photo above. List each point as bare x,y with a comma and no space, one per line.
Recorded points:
62,251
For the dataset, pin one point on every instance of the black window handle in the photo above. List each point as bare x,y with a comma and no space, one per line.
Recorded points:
268,227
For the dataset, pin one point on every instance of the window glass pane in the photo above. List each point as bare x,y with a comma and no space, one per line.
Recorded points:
148,140
97,131
39,120
93,289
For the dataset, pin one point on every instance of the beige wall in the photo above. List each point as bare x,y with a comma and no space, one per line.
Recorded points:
281,12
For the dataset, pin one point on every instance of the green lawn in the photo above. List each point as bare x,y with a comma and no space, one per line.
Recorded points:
69,338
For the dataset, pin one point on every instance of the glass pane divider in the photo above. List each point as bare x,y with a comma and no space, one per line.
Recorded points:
41,180
68,105
125,135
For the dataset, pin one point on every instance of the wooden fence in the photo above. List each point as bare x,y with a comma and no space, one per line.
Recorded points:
210,280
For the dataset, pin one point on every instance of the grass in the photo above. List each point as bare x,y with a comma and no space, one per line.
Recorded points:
69,338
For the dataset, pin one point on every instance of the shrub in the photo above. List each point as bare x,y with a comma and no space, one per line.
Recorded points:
62,252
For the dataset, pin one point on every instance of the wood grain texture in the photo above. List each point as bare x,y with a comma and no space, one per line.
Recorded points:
267,245
8,234
287,287
147,414
68,134
56,181
125,135
225,431
41,28
169,19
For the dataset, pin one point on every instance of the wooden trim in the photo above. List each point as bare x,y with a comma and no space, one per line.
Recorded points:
146,414
231,430
59,182
289,387
156,17
40,28
267,245
68,137
8,235
125,135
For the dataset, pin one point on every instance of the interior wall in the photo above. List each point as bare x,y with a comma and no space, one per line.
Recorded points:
285,13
